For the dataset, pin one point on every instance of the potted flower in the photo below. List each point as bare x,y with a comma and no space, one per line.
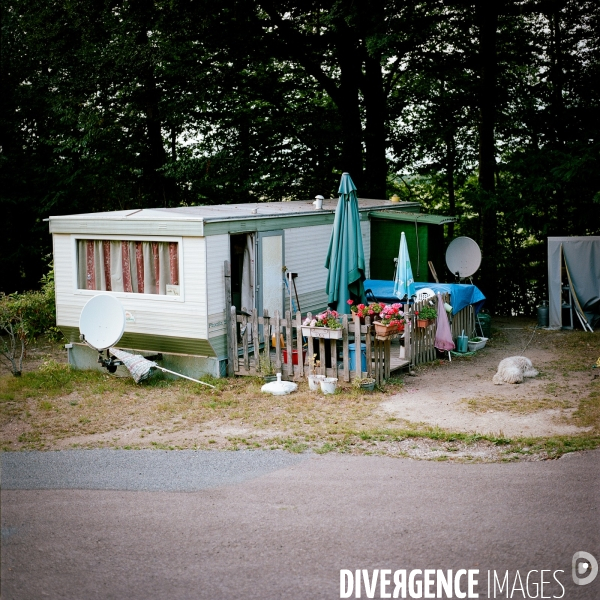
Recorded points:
391,320
426,315
324,325
366,384
363,311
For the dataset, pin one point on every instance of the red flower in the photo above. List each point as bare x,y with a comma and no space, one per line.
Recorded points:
350,302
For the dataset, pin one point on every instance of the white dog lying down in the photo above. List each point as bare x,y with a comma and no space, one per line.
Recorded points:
513,369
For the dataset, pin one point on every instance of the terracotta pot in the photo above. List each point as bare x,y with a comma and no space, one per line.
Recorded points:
422,323
385,330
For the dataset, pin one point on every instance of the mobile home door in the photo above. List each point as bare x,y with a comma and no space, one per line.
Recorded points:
270,288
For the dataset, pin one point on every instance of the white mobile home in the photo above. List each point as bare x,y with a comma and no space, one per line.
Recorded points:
166,266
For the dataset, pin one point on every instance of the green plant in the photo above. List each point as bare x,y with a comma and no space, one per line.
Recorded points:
24,317
266,366
14,334
427,312
475,339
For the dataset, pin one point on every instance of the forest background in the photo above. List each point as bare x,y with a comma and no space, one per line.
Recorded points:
484,110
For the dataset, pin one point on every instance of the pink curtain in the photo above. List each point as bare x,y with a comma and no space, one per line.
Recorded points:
127,266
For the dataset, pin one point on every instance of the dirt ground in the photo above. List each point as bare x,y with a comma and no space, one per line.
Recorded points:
460,395
446,411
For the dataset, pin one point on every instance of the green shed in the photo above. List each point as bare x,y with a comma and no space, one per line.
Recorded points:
424,235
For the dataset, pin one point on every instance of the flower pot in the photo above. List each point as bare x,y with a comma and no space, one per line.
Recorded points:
322,332
368,385
294,356
314,382
422,323
385,330
328,385
473,346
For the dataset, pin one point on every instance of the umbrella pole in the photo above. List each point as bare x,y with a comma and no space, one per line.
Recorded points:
184,376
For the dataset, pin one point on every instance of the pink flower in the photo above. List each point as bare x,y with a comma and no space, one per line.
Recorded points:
350,302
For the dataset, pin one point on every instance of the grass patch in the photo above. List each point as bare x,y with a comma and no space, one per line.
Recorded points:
520,405
55,403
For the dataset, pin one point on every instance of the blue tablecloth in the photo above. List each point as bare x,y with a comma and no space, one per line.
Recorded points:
461,294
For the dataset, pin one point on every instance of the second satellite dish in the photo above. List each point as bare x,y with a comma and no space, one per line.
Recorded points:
102,322
463,256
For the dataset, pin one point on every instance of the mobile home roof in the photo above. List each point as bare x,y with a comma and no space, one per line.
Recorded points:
216,219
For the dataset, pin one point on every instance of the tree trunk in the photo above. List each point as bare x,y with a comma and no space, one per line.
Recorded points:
487,18
375,131
347,101
155,183
556,72
450,166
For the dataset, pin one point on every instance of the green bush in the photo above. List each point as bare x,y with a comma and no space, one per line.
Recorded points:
24,317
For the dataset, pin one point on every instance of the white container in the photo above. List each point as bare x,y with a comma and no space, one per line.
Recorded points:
318,202
314,382
328,385
473,346
322,332
279,388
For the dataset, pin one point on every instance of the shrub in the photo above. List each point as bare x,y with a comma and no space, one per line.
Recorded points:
24,317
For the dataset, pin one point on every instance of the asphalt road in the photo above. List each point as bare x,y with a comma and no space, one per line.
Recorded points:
257,525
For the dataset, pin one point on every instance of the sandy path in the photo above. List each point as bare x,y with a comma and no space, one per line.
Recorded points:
440,394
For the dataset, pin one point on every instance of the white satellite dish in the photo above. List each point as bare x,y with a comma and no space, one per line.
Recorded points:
102,322
463,256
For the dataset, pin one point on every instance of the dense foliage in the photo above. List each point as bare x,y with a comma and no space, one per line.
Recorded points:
486,110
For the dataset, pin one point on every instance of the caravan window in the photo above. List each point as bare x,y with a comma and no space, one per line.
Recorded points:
139,267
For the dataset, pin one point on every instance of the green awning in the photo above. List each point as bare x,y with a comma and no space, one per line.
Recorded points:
394,215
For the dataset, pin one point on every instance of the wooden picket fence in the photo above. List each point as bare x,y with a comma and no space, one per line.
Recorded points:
422,341
251,351
263,340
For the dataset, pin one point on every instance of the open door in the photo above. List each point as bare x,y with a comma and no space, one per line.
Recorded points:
270,291
243,270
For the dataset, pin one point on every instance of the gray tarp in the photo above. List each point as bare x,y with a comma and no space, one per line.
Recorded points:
583,257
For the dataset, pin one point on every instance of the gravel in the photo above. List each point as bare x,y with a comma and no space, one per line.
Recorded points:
139,470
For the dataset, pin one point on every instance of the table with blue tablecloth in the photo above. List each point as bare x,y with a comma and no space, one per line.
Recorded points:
461,294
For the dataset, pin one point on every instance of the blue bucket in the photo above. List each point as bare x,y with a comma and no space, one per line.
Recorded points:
363,357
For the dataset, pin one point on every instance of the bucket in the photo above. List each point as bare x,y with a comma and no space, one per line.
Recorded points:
484,322
328,385
314,382
294,356
543,315
352,359
462,343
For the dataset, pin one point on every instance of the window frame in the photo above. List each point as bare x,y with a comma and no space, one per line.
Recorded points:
128,238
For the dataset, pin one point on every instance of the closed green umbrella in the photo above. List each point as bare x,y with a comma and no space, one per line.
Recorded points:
345,257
